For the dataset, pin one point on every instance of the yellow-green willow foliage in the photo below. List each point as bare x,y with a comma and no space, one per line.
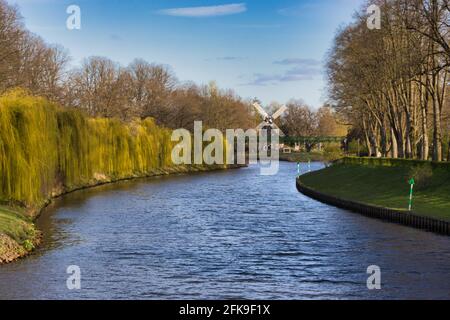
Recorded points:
44,148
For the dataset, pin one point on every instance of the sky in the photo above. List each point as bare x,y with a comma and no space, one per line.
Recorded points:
272,50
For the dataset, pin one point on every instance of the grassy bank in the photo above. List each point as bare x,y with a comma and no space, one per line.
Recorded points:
47,151
18,235
385,183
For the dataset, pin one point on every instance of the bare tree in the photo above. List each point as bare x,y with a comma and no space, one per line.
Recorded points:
11,35
99,87
42,68
152,86
389,81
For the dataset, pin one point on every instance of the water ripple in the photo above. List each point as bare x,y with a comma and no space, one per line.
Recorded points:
224,235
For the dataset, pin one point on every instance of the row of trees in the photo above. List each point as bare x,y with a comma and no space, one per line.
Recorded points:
392,84
148,90
25,59
300,120
103,88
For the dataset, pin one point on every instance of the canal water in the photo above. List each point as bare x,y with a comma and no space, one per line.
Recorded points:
223,235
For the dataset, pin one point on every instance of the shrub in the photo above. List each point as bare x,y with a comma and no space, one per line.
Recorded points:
28,245
332,152
353,148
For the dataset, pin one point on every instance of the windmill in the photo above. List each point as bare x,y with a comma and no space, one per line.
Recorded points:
269,124
269,121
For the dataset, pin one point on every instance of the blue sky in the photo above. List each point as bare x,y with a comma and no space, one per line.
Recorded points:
273,50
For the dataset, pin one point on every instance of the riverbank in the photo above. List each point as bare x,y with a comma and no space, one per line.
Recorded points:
384,184
302,157
18,234
47,151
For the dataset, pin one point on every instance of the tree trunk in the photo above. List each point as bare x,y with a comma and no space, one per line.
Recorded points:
425,140
394,145
383,140
408,143
437,131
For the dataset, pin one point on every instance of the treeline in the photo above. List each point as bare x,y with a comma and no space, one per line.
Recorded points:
103,88
26,60
143,90
300,120
391,84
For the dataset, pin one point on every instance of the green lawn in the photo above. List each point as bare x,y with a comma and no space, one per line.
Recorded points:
384,186
17,226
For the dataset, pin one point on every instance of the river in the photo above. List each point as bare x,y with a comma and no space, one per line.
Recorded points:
223,235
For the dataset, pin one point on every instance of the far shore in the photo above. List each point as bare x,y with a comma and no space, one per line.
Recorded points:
302,157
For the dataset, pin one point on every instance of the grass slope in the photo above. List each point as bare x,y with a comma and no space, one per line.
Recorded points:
18,234
384,186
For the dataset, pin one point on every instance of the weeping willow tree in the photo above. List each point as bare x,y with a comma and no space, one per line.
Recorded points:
45,148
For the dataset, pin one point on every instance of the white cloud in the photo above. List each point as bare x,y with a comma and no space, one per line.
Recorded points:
210,11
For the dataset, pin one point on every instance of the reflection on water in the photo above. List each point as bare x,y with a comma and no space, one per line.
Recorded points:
223,235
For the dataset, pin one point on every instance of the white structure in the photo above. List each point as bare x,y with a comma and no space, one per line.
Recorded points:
269,121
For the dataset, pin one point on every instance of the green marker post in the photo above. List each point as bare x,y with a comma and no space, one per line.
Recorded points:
298,169
411,182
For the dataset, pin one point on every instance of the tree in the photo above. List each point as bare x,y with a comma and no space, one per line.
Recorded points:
42,68
101,88
11,35
299,120
152,86
391,81
328,125
26,60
